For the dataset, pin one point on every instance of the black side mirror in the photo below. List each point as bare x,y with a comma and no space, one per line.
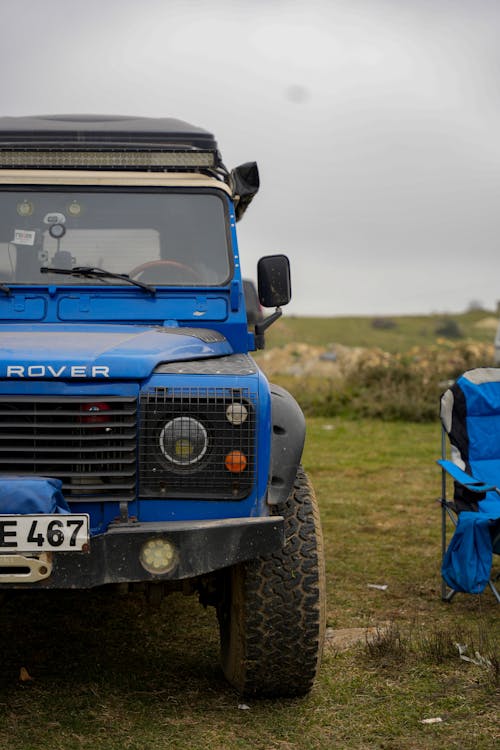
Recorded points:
273,275
275,290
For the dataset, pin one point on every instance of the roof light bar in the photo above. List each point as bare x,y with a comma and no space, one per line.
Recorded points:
155,160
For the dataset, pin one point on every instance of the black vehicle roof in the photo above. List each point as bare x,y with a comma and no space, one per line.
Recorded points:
81,130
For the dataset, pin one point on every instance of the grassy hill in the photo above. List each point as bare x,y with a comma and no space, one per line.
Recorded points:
392,334
389,368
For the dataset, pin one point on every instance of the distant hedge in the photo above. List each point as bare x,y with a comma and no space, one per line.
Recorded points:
391,387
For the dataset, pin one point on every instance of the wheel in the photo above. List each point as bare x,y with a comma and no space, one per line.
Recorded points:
272,610
156,265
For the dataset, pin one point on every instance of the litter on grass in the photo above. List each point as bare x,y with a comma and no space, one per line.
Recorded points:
477,659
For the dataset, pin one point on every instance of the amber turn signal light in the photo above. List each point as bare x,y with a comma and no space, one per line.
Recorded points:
236,462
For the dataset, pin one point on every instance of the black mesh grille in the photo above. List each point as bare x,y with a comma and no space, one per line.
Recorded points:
186,437
87,442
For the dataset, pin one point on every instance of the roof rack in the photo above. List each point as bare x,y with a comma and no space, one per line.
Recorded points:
106,142
112,142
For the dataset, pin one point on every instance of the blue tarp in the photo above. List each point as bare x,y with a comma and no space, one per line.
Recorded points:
19,494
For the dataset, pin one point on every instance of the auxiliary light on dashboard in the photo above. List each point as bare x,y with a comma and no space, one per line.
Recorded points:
25,208
74,208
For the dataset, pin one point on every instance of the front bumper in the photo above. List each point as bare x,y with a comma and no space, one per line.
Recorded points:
201,547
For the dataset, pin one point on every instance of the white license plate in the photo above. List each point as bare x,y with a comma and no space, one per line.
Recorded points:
44,533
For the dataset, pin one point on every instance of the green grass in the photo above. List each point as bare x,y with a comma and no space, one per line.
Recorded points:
408,331
112,672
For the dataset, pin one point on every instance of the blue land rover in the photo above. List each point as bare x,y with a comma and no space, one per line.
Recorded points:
139,441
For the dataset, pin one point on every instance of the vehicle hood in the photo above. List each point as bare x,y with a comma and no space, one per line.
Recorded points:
45,352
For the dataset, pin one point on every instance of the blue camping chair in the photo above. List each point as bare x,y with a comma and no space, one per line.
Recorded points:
470,415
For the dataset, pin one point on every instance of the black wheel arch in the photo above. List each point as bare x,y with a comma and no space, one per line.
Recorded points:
288,427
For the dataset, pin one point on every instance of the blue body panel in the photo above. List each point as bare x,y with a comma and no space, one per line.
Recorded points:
70,303
255,503
103,513
129,352
90,340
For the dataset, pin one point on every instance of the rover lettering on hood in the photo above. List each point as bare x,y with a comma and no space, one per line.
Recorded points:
59,371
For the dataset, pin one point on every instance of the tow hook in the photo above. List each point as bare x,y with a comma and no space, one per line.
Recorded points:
24,568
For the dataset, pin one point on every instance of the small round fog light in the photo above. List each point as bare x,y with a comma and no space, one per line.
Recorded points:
158,556
236,413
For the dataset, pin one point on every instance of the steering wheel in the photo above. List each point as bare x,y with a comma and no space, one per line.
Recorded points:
152,264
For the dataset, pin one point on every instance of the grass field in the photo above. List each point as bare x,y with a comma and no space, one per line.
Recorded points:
111,672
405,333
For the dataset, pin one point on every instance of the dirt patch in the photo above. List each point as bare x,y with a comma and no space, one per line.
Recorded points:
488,324
342,639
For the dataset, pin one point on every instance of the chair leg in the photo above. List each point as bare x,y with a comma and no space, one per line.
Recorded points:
494,590
444,588
447,594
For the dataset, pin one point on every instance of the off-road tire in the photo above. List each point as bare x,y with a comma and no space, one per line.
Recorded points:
272,609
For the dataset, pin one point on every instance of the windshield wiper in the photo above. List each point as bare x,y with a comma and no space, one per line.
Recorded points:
98,273
6,289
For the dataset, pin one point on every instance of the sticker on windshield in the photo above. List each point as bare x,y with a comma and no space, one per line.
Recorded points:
23,237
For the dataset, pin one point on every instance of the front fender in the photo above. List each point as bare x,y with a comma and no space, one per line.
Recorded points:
288,436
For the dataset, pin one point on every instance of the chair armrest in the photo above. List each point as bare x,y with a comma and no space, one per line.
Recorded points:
465,479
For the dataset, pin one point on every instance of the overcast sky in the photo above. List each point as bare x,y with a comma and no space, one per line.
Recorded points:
375,124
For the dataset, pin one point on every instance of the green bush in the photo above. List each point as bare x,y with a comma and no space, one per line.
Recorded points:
399,387
449,328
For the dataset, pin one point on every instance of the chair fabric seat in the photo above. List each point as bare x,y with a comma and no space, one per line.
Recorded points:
467,563
470,414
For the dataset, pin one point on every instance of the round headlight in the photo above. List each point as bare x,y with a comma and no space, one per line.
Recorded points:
184,441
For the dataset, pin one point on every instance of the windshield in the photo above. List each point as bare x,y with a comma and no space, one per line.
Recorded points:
163,237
